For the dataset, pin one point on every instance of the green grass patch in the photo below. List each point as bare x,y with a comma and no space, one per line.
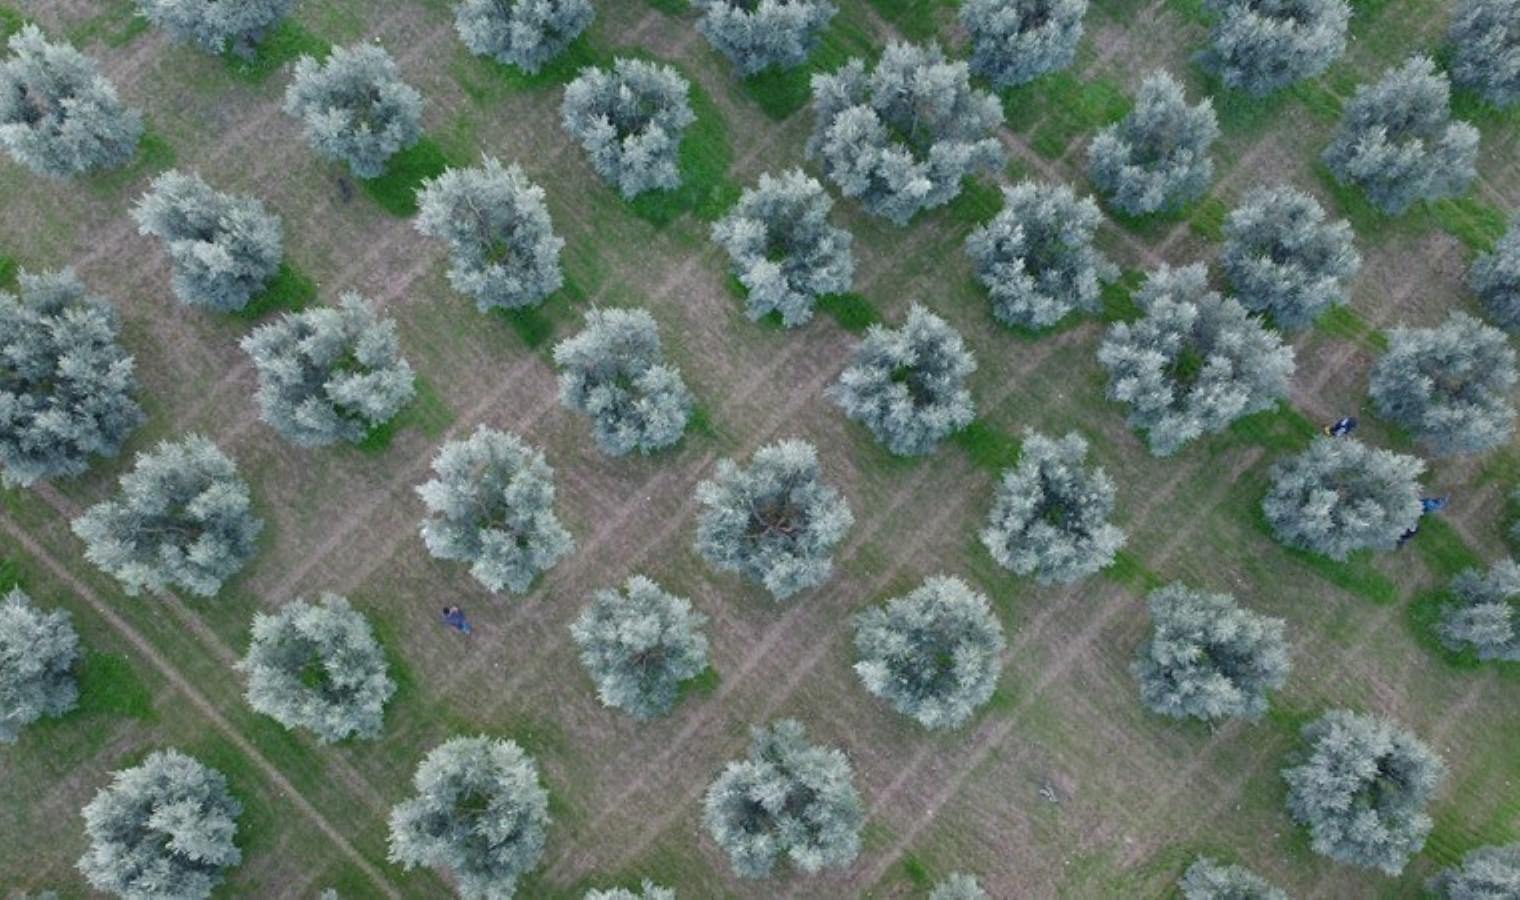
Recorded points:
529,324
108,685
704,157
1118,300
780,93
853,312
918,20
9,269
1189,11
1282,429
1422,615
396,190
1343,322
670,7
562,69
988,447
290,290
1443,550
700,422
10,576
154,154
1471,221
917,872
118,25
1369,222
976,203
1207,220
702,685
287,42
1354,575
426,413
1321,102
1060,107
1129,571
10,22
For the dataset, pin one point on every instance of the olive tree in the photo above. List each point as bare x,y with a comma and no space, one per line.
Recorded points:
1397,142
761,34
1487,873
182,519
639,644
38,651
1484,612
1206,879
163,828
318,667
648,890
1283,259
502,247
783,249
1194,363
354,108
1036,257
629,119
329,375
522,33
908,385
615,373
1157,157
224,248
1362,790
958,886
215,26
1260,46
775,523
1207,658
1448,386
1495,278
66,383
492,505
790,799
1050,516
1016,41
902,138
480,811
1485,39
58,115
933,654
1340,496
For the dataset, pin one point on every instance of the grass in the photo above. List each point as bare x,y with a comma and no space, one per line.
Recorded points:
396,190
116,26
8,271
1129,571
917,872
1061,107
703,684
1443,549
976,203
10,22
154,154
781,93
1117,298
109,685
988,448
426,413
529,324
289,290
704,158
562,69
670,7
1207,219
853,312
1471,221
918,20
287,42
1281,429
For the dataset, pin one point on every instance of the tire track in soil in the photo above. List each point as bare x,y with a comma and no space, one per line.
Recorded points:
143,646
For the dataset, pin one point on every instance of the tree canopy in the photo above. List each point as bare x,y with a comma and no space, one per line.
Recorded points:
639,644
1206,879
1283,259
214,27
760,34
1495,278
1260,46
615,373
958,886
1157,157
1016,41
38,652
354,108
1340,496
1484,612
1487,873
522,33
629,119
1485,41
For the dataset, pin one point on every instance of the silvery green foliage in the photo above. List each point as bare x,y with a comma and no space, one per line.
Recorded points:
354,108
66,383
1485,38
1260,46
1206,879
502,247
38,651
1397,142
902,138
1495,278
1487,873
1016,41
1362,790
492,506
1448,386
328,375
1195,363
480,811
783,249
789,799
58,115
1036,257
759,34
639,644
1207,658
958,886
1341,496
1485,612
630,119
1282,258
224,248
774,523
1051,515
318,667
522,33
932,655
163,828
1157,157
211,25
648,890
615,373
908,384
182,519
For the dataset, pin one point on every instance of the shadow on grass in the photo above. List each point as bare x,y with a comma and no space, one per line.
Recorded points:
396,190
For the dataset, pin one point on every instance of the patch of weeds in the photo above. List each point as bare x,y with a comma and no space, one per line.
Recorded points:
1117,297
1354,575
1321,102
1129,571
1061,107
988,447
1282,429
976,203
704,157
154,154
780,93
10,22
670,7
1343,322
108,685
1443,550
1207,220
426,413
285,43
118,25
853,312
916,19
917,872
290,290
10,576
1189,11
703,685
8,271
1471,221
562,69
529,323
396,190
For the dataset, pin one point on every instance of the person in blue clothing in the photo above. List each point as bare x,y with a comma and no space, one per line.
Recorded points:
1432,504
453,617
1341,427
